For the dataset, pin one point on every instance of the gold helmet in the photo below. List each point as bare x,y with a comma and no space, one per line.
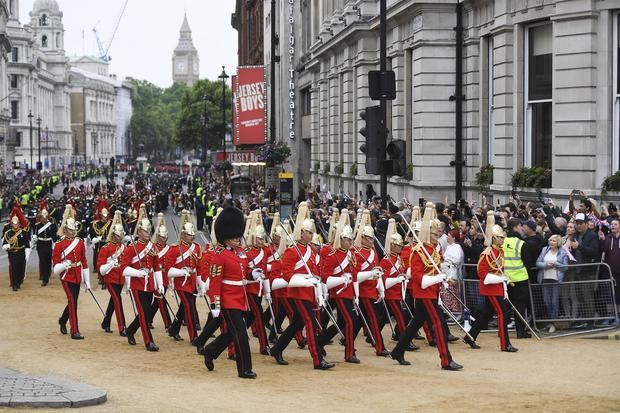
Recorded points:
160,227
429,223
492,229
143,222
363,222
186,224
275,224
68,220
342,223
116,227
416,220
333,224
391,230
302,221
358,221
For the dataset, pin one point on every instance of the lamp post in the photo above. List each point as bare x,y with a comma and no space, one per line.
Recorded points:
205,124
30,116
47,147
224,77
39,136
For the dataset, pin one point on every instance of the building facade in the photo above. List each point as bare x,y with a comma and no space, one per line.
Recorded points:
7,140
540,84
185,61
38,91
248,21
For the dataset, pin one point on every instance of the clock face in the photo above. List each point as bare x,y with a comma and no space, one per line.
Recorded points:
181,66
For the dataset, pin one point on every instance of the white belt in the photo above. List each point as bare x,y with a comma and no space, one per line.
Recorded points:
305,275
239,283
44,239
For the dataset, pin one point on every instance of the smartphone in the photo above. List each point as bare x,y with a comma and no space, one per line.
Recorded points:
421,202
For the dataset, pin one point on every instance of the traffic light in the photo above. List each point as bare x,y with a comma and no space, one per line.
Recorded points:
397,163
371,115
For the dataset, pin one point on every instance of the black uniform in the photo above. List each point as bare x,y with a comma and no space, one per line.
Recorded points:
18,241
46,235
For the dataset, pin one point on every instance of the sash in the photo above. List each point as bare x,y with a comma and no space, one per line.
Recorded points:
257,259
71,247
143,253
43,228
340,268
186,254
395,268
304,260
367,261
163,251
118,252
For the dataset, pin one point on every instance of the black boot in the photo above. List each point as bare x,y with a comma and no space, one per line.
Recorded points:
152,347
248,375
471,343
209,362
353,359
176,336
123,332
401,360
324,365
279,359
63,327
453,366
131,340
383,353
510,349
77,336
411,347
106,328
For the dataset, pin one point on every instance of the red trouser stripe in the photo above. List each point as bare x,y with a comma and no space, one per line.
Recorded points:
118,307
349,346
310,330
188,308
144,328
290,313
427,332
373,323
397,312
257,312
165,316
500,321
442,345
72,306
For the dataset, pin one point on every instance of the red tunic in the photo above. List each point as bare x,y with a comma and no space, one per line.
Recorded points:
164,253
115,276
392,267
76,255
149,261
257,258
189,259
420,266
292,264
488,263
228,272
367,259
337,264
405,255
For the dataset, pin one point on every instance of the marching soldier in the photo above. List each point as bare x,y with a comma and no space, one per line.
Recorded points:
492,287
98,232
304,291
16,242
164,253
108,262
71,266
425,282
257,255
44,235
143,274
228,272
185,258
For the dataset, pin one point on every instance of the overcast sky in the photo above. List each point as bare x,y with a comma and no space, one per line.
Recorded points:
148,34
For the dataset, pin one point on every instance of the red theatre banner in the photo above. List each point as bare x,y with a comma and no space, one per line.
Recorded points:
250,104
235,109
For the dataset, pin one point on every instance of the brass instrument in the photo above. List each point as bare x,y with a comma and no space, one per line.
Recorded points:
12,240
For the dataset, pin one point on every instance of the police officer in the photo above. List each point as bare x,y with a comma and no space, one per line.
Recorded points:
514,257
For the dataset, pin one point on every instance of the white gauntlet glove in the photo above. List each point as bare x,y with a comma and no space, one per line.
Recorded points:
428,280
132,272
6,247
159,282
493,279
28,252
127,238
177,272
95,240
61,267
86,278
258,274
267,290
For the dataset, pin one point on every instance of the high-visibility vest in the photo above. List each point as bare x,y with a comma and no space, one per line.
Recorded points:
210,209
513,265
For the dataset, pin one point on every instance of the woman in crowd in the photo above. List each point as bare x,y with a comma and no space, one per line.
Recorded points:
552,263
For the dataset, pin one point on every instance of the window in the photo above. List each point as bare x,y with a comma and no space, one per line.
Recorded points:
616,94
14,54
44,21
18,139
306,102
14,109
538,95
490,133
44,41
14,81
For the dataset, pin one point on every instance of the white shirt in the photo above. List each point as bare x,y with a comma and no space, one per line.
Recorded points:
551,257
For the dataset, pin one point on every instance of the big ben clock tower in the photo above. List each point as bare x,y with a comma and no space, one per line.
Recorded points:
185,62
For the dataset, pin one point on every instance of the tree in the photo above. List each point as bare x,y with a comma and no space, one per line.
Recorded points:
189,128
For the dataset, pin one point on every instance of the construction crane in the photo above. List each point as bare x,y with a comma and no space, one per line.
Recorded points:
104,49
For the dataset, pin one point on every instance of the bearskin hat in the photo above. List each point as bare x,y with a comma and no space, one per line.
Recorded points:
229,224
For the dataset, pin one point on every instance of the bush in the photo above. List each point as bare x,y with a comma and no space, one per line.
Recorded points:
353,170
277,153
339,169
326,168
317,166
535,177
484,177
409,173
611,183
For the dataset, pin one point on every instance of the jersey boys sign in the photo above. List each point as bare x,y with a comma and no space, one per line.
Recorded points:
249,106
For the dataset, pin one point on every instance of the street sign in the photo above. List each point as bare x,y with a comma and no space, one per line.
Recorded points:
286,193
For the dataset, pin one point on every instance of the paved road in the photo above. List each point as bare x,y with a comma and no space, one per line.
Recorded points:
33,262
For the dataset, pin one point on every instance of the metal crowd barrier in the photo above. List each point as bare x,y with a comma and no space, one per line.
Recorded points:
581,303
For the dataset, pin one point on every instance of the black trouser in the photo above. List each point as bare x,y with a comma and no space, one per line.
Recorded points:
200,218
45,260
426,309
115,305
208,222
17,267
175,327
350,324
160,304
72,290
143,301
520,296
497,305
236,332
304,317
95,255
211,326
